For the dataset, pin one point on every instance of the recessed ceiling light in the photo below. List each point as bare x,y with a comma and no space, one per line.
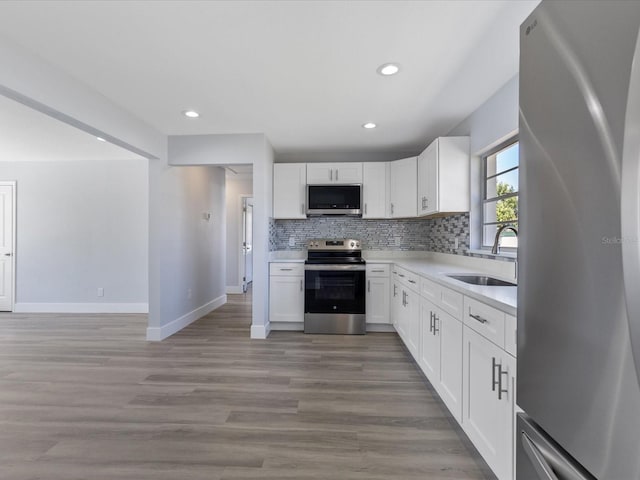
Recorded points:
191,114
369,125
388,69
100,139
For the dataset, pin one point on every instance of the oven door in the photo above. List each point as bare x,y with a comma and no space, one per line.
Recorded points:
334,289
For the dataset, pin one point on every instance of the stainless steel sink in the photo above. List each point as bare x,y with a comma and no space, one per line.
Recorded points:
482,280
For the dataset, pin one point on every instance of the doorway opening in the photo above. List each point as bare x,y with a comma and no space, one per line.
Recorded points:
247,243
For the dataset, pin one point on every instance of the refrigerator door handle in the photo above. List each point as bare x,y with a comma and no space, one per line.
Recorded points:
630,207
538,461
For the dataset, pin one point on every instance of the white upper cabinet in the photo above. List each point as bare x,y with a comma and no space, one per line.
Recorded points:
375,189
289,185
404,188
443,176
334,173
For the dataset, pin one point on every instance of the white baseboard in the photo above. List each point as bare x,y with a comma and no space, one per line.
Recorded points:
287,326
234,289
24,307
156,334
380,327
260,332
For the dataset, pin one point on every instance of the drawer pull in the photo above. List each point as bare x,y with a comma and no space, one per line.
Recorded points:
286,269
377,271
412,281
401,275
478,317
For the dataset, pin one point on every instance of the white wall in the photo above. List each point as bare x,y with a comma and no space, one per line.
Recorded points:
235,188
232,148
492,123
262,215
190,275
80,226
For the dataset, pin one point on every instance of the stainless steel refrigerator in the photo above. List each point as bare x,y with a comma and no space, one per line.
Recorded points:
579,253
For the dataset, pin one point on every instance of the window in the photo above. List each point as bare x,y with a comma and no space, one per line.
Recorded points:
500,200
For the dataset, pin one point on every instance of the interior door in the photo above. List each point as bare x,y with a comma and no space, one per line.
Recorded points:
7,199
247,241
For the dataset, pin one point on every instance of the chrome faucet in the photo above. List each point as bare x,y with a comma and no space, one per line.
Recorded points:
496,243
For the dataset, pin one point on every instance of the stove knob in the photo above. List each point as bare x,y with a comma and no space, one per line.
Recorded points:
353,244
357,244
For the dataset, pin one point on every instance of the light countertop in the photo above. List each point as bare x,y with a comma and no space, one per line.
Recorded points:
502,298
434,268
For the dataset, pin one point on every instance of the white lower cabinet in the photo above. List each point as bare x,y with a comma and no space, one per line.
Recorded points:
286,292
378,299
441,355
462,345
489,379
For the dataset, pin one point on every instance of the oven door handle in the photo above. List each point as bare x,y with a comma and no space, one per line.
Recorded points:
350,268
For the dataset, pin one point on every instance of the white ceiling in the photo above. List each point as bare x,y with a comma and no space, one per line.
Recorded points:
28,135
302,72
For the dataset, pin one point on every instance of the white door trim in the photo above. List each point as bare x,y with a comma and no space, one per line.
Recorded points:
14,196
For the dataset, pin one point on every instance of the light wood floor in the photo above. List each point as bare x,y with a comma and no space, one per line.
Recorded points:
85,397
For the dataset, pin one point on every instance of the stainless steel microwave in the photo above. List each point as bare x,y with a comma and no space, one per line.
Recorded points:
334,200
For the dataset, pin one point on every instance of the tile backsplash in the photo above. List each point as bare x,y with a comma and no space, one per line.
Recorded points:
432,234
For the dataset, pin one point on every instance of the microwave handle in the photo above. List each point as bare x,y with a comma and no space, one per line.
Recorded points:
336,174
331,174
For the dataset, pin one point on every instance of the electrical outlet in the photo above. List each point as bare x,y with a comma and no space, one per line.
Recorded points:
292,241
100,292
455,243
396,241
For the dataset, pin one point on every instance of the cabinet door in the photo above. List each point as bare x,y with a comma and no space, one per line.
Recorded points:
289,197
449,332
396,301
488,419
428,180
286,299
404,187
378,300
430,344
320,173
375,186
412,312
347,173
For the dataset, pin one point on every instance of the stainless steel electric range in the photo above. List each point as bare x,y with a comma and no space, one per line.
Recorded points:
334,278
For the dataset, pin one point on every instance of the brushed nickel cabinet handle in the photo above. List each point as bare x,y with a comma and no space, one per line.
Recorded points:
412,281
436,329
301,287
369,286
477,317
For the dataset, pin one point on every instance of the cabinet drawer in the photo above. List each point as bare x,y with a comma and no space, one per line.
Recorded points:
452,302
430,290
408,279
486,320
288,268
378,269
511,334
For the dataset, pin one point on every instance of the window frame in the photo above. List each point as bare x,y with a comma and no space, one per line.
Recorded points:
484,200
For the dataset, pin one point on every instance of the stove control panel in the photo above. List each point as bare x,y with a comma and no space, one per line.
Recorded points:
340,245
